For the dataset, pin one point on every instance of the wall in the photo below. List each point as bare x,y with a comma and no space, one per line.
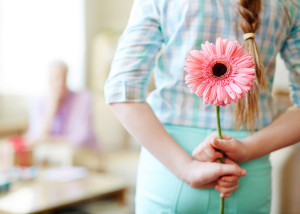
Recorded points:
105,20
34,33
103,15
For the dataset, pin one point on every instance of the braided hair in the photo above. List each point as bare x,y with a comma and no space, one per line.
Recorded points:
247,109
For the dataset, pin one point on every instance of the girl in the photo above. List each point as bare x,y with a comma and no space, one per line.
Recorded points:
178,165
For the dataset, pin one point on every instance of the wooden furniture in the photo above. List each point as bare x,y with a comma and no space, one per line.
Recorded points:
40,195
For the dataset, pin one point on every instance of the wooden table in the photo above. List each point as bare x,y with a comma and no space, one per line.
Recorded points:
40,195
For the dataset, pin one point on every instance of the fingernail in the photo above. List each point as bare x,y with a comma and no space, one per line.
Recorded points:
243,172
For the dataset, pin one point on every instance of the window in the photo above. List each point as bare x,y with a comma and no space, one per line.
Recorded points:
32,34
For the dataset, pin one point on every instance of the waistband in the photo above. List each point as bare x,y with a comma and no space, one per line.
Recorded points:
191,130
190,137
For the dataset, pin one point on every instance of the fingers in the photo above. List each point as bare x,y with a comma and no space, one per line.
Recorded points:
233,148
224,145
229,169
206,153
229,179
226,136
225,195
228,184
229,161
209,185
226,190
212,153
207,150
216,135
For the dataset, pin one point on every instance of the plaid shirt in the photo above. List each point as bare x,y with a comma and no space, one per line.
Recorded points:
160,34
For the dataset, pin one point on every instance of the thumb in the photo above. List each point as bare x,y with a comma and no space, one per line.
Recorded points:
229,169
223,145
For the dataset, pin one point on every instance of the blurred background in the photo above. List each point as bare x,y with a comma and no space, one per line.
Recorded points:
39,176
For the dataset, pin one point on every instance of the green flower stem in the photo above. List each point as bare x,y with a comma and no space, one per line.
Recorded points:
221,159
219,129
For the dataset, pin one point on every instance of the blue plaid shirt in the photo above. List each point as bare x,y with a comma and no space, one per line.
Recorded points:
160,34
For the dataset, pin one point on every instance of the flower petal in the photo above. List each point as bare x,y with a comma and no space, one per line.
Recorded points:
225,44
230,92
216,103
209,48
194,88
245,61
220,47
248,77
207,91
220,94
235,88
231,47
238,96
205,100
200,90
193,59
227,99
191,67
244,88
197,54
239,51
224,95
246,70
193,78
213,94
240,80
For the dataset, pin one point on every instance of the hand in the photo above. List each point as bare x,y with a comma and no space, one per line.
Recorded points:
206,175
228,183
205,151
233,148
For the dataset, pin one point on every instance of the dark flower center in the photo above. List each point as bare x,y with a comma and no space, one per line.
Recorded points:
219,69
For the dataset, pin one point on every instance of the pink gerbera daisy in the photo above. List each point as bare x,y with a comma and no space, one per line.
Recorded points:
220,73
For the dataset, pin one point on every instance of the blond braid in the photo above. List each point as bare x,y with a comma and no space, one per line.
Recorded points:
247,109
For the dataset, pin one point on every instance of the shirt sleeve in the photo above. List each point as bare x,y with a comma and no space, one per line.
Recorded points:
290,53
135,55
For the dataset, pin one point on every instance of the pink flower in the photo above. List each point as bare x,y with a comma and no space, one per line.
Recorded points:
220,73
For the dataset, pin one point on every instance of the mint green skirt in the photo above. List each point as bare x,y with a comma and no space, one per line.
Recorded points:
159,191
